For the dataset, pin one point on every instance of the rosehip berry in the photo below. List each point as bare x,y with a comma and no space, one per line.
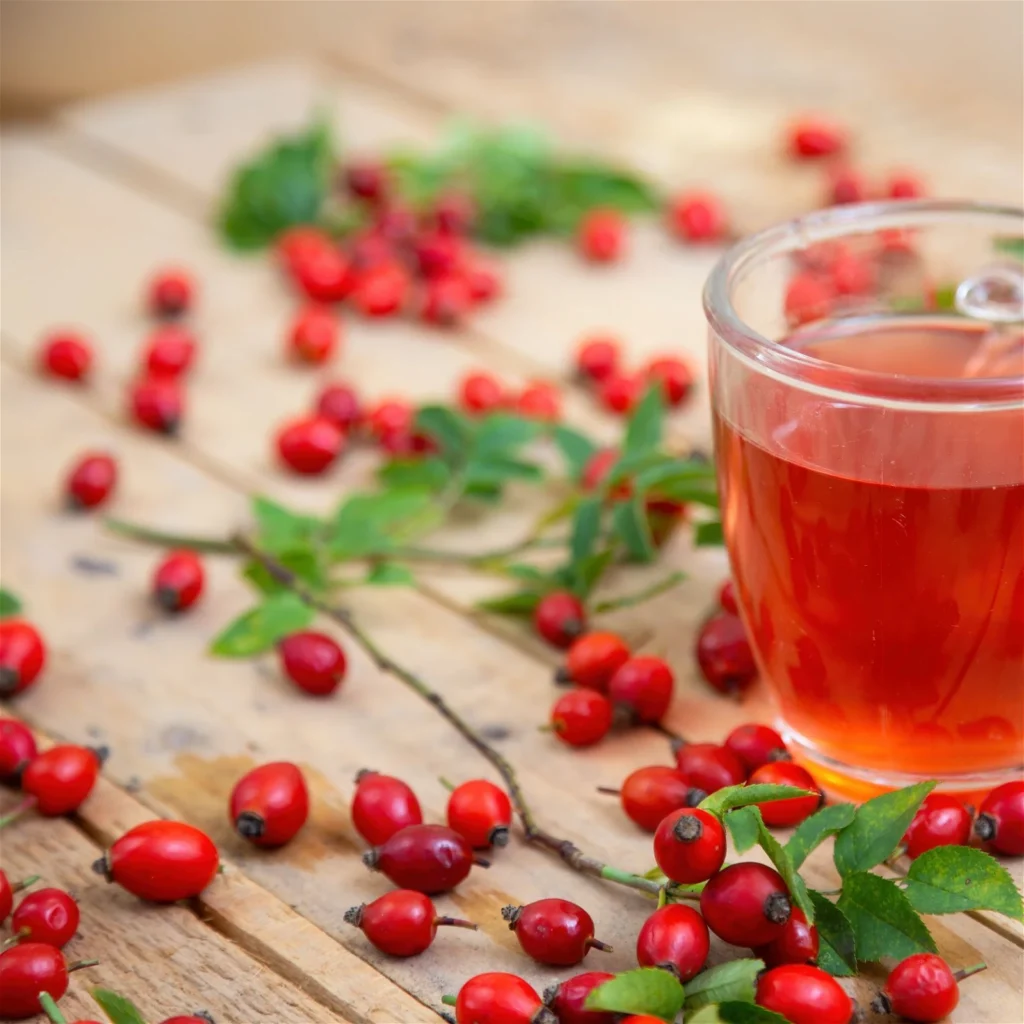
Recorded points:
619,393
313,335
426,858
7,892
642,687
922,988
313,662
367,179
674,938
598,357
709,766
59,779
299,243
158,404
483,279
90,481
408,444
746,904
446,301
66,355
308,445
402,922
169,352
171,293
689,845
1000,823
26,971
786,813
812,137
852,275
649,794
641,1018
481,813
480,393
593,660
808,298
601,236
49,916
382,290
540,400
905,185
941,820
202,1017
22,656
161,861
804,995
581,718
798,943
724,655
17,748
567,1000
439,255
383,805
340,404
391,416
553,931
178,581
374,248
846,185
323,273
453,213
697,217
270,804
756,745
674,376
560,618
499,998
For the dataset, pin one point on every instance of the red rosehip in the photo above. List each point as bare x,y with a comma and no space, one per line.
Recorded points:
17,748
313,662
382,290
481,813
90,481
49,916
408,444
846,185
674,938
642,686
298,244
560,618
746,904
709,766
905,185
724,654
202,1017
446,300
812,137
390,416
619,393
171,293
786,813
439,255
383,805
727,598
340,404
649,794
373,248
756,745
483,278
567,1000
453,213
808,298
426,858
480,392
402,922
1000,822
581,718
601,236
593,660
941,820
313,335
395,224
157,403
540,400
598,357
270,804
367,179
689,845
178,581
61,778
66,355
309,444
499,998
922,988
804,995
161,861
673,374
26,971
852,275
22,656
798,943
553,931
697,217
170,351
323,273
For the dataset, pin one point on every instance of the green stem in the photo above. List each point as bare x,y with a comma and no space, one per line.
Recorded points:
26,805
448,1000
639,596
209,545
25,883
51,1009
966,972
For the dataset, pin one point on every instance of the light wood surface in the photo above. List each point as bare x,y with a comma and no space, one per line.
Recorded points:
91,205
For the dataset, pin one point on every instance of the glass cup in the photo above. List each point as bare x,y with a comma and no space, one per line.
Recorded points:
867,375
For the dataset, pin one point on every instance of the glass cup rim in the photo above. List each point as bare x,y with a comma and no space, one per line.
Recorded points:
771,357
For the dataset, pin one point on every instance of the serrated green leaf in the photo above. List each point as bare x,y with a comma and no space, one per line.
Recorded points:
708,534
279,529
9,604
502,432
430,474
730,982
374,524
577,450
646,423
388,574
630,526
837,945
494,469
258,629
729,797
586,528
785,867
1011,245
451,431
302,562
884,922
950,879
645,990
878,828
119,1009
814,830
748,1013
522,602
742,825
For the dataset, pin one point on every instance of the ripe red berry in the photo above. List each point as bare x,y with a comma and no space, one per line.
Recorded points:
598,357
649,794
724,654
481,813
941,820
553,931
560,618
313,335
786,813
313,662
383,805
426,858
727,598
323,273
540,400
408,444
756,745
905,185
812,137
499,998
581,718
852,275
66,355
309,444
674,938
601,236
157,403
340,404
804,995
438,255
709,766
697,217
593,660
270,804
382,290
170,293
17,748
49,916
90,481
161,861
673,374
61,778
619,393
798,943
1000,822
483,279
746,904
642,686
178,581
377,246
367,179
846,185
388,417
808,298
202,1017
689,845
446,300
169,352
26,971
402,922
480,393
453,213
22,656
922,988
299,243
567,1000
7,891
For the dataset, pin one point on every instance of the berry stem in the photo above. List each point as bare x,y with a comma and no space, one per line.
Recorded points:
639,596
78,965
25,883
51,1009
209,545
16,938
446,784
598,944
448,1000
609,790
455,922
966,972
26,805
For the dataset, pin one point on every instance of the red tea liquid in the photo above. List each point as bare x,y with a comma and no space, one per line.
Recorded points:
879,555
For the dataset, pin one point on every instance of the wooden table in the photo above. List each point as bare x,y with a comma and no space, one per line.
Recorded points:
112,189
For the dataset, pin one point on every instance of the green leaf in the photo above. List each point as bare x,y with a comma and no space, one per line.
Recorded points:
9,604
117,1008
302,562
430,474
258,629
749,1013
785,867
388,574
726,799
646,990
584,575
494,469
278,529
630,525
374,524
950,879
522,602
524,571
837,946
884,922
708,534
450,430
733,981
878,828
501,433
817,828
1011,245
576,449
742,825
644,430
586,528
679,481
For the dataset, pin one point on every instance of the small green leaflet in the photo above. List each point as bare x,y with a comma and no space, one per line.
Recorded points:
502,432
877,829
735,1013
645,990
374,524
1011,245
494,469
644,430
586,528
278,529
733,981
302,562
817,828
522,602
450,430
630,525
708,534
778,856
117,1008
950,879
258,629
388,574
837,946
577,450
741,796
430,474
742,826
884,922
9,604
